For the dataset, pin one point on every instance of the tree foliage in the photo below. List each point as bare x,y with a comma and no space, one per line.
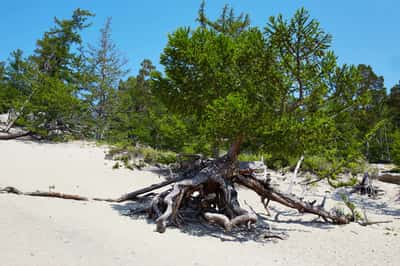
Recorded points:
106,68
276,90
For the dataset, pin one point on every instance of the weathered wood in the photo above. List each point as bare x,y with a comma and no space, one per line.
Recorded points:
50,194
56,195
365,187
169,201
220,219
296,170
209,173
105,199
374,222
133,195
234,150
15,135
207,191
367,222
288,200
11,190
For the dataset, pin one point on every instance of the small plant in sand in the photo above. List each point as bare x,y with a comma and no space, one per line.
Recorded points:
116,165
138,156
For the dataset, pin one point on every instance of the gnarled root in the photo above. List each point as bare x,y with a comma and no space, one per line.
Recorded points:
288,200
220,219
216,200
207,191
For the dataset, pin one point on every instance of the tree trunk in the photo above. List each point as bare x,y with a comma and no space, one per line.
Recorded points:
234,150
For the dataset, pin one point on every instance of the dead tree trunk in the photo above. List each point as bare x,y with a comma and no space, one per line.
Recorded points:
50,194
365,187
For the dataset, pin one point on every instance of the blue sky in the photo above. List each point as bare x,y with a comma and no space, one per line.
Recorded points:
363,31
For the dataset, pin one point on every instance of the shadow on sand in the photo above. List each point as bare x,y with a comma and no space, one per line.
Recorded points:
372,205
266,230
261,233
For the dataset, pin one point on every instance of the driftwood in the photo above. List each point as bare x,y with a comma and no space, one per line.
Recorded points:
366,221
133,195
365,187
15,135
207,192
50,194
296,170
289,200
216,199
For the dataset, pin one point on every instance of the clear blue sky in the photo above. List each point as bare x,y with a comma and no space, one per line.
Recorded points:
364,31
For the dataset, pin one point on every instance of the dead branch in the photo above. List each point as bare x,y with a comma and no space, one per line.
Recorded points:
133,195
220,219
15,135
13,190
288,200
367,222
292,181
374,222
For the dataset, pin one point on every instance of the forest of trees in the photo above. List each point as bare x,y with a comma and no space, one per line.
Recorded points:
277,91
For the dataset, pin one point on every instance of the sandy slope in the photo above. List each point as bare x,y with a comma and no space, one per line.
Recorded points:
42,231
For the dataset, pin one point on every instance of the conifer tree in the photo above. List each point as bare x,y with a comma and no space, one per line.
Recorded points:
106,67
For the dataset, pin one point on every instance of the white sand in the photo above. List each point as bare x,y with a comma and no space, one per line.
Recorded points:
45,231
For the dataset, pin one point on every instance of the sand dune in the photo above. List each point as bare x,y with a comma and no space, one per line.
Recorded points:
44,231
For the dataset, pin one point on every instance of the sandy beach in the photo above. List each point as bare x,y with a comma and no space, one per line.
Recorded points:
47,231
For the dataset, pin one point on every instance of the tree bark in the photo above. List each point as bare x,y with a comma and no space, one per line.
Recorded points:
15,136
234,150
288,200
50,194
133,195
208,191
296,170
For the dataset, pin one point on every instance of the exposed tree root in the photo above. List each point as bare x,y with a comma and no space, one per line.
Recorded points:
13,190
365,187
206,192
374,222
264,191
133,195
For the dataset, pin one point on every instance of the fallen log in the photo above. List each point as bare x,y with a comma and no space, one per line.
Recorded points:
15,135
134,194
49,194
296,170
288,200
365,187
366,221
56,195
374,222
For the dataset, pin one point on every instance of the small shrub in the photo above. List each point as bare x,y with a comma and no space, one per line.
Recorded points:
355,214
152,156
251,157
395,147
127,154
356,167
116,165
316,164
